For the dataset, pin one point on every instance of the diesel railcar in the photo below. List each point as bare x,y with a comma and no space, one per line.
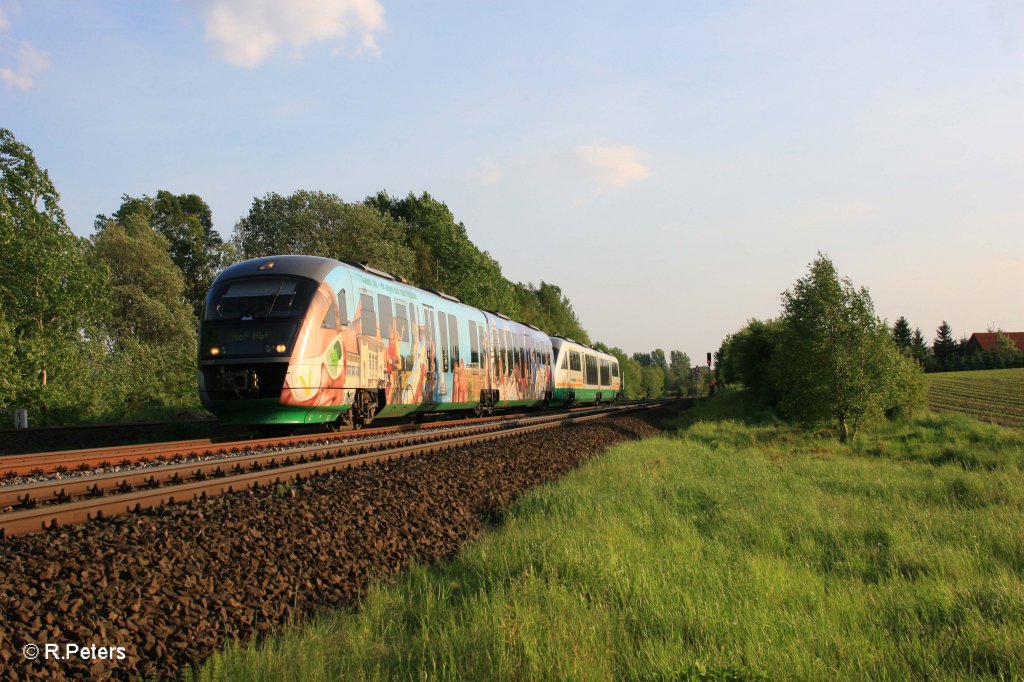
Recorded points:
583,374
310,340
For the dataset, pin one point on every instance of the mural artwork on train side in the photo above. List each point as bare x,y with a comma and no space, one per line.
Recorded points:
417,354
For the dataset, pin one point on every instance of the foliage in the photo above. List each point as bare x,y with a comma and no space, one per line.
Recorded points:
748,356
321,224
944,348
902,335
50,294
836,360
547,308
445,258
919,347
186,221
150,330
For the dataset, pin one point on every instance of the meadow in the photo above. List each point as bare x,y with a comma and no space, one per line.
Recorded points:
733,548
995,395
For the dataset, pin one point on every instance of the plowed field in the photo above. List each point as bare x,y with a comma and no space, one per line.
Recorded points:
993,395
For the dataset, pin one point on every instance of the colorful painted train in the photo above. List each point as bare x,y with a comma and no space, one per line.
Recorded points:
309,340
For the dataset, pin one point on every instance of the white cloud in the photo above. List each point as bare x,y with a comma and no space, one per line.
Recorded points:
489,174
247,32
31,62
618,165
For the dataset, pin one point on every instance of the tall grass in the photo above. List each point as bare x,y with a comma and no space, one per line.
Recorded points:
736,548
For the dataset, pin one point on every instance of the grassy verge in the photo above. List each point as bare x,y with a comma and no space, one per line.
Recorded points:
737,549
994,395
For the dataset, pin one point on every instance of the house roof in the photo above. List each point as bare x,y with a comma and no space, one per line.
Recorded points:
987,340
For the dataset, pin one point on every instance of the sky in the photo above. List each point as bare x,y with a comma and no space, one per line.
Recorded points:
673,166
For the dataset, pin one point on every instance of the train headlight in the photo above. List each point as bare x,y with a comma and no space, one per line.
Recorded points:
214,351
280,348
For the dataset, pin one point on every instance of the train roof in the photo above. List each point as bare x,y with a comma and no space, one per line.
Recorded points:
313,267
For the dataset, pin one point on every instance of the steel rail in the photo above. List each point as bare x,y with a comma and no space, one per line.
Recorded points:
46,516
63,490
84,459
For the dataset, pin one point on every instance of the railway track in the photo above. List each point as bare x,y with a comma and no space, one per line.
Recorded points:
36,506
86,459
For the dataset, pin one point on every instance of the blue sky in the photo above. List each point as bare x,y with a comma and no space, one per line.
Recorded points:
672,166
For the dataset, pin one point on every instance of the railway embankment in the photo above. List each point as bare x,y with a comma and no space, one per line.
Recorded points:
170,586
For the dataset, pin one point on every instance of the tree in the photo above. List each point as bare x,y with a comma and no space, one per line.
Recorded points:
901,334
919,347
186,221
51,292
747,357
445,258
321,224
944,348
150,328
836,360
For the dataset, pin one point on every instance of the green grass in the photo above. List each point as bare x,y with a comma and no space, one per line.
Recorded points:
994,395
738,548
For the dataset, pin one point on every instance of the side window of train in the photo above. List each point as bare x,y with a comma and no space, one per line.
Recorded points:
367,316
474,345
384,312
442,324
483,341
343,308
330,317
565,360
401,321
453,337
615,369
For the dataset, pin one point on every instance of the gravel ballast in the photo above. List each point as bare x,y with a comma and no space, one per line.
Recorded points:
172,585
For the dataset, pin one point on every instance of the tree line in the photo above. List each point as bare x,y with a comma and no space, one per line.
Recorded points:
948,355
827,359
105,327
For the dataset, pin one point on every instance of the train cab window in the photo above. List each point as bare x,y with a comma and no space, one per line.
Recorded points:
442,324
385,315
453,338
259,297
367,316
401,321
342,308
330,320
474,347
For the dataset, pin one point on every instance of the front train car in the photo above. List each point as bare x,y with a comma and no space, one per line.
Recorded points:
266,323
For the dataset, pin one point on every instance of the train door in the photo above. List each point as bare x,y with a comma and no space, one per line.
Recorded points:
432,370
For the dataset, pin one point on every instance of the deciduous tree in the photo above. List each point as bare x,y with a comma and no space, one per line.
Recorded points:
321,224
51,293
836,359
186,221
